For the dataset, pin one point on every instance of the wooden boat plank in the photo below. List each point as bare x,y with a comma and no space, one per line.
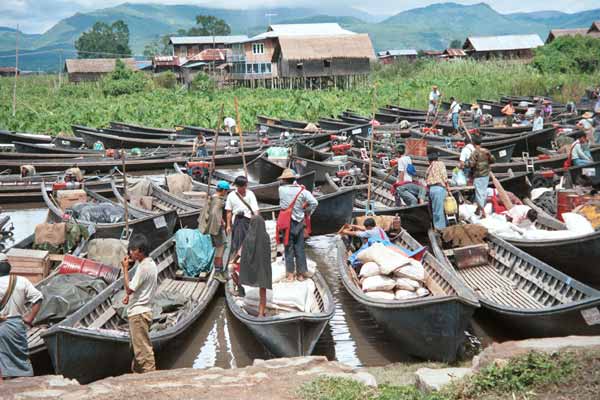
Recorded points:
103,318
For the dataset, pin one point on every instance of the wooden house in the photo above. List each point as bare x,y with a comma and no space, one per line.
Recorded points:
190,46
392,56
92,69
556,33
507,46
8,71
453,54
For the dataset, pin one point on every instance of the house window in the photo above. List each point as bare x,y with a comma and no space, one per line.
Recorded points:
258,48
268,68
299,66
263,68
248,68
327,63
255,68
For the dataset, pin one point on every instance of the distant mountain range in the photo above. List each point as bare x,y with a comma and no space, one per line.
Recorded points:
431,27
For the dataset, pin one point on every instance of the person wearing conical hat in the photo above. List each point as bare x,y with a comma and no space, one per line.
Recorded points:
477,115
302,204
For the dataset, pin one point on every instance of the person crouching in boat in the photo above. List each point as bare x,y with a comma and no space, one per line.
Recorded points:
369,231
577,154
437,182
296,204
16,293
211,222
139,294
255,260
480,163
240,205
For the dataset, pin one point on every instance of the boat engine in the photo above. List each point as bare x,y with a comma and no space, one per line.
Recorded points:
232,147
66,185
350,176
338,139
198,170
341,149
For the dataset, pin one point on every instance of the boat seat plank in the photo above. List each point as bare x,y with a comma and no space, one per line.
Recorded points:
103,318
160,206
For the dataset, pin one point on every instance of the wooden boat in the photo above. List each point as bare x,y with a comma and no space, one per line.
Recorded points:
263,170
292,334
589,172
334,210
94,165
139,128
163,201
53,151
157,229
303,151
87,346
8,137
133,134
570,256
432,327
525,296
321,168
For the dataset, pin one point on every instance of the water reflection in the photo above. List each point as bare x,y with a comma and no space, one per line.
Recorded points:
24,221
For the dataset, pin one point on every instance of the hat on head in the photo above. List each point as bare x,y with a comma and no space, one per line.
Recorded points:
434,87
288,173
223,185
474,106
587,115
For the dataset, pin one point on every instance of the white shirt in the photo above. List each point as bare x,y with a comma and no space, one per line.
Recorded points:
577,152
144,285
434,95
229,122
455,107
466,152
477,113
538,123
403,163
235,205
25,293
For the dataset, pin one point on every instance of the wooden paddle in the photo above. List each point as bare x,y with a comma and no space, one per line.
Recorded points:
371,151
214,153
501,192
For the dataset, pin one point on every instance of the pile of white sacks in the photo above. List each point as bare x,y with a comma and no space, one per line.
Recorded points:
387,274
285,297
577,225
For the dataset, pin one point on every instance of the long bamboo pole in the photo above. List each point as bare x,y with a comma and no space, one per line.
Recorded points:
214,153
14,105
373,124
125,199
238,127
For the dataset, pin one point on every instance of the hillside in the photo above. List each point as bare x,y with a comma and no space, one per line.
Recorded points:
431,27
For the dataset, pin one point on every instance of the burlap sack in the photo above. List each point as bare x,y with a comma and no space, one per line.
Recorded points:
179,183
143,202
107,251
54,234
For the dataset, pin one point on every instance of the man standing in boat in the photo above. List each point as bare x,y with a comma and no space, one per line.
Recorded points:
454,113
199,148
480,163
302,204
240,205
16,293
139,294
211,222
434,98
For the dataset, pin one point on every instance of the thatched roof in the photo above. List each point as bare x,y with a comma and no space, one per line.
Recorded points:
501,43
324,47
96,65
555,33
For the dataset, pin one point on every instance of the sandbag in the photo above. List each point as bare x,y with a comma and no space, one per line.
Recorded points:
383,221
401,294
143,202
464,235
291,295
179,183
381,295
378,283
577,223
107,251
369,269
422,292
407,284
69,198
387,259
194,250
106,213
53,234
414,271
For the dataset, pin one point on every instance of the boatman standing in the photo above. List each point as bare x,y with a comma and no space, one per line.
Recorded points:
16,294
211,222
240,205
480,161
229,125
302,204
139,294
434,98
454,113
199,148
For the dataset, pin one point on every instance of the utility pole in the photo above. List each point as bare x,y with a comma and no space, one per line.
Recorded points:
16,72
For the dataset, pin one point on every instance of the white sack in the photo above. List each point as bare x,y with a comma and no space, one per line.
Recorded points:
369,269
404,295
387,259
414,270
407,284
578,223
466,211
287,294
381,295
422,292
378,283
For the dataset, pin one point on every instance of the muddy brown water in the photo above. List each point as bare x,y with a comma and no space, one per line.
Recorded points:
218,339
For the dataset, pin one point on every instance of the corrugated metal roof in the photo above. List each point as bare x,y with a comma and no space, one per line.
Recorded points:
96,65
506,42
178,40
398,53
455,52
324,29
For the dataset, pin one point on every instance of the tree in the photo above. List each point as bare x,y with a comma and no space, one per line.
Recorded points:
569,54
455,44
207,25
104,41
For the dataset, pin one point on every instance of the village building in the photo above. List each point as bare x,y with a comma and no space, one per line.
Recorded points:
453,54
392,56
92,69
302,55
592,31
190,46
507,46
436,54
8,71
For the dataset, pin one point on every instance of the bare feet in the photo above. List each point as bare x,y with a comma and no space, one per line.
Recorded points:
289,277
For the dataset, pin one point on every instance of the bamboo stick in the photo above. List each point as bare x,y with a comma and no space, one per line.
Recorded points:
214,154
371,150
238,127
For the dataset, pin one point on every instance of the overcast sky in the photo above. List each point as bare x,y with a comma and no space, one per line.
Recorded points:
36,16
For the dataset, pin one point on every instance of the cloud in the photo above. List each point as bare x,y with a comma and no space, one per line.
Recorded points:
36,16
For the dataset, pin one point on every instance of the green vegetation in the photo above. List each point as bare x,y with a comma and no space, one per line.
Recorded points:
123,81
44,107
104,41
579,54
529,375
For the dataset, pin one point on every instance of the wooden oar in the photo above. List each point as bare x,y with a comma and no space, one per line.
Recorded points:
125,201
371,151
239,131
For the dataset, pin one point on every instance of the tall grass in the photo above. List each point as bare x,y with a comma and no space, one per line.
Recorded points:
45,107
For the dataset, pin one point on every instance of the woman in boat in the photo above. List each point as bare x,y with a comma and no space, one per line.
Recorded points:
240,205
437,182
586,124
16,293
577,153
255,261
302,204
477,114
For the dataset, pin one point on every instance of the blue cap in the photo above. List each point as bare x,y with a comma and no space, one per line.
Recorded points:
223,185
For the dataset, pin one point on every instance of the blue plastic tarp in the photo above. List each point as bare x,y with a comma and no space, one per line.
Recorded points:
195,251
